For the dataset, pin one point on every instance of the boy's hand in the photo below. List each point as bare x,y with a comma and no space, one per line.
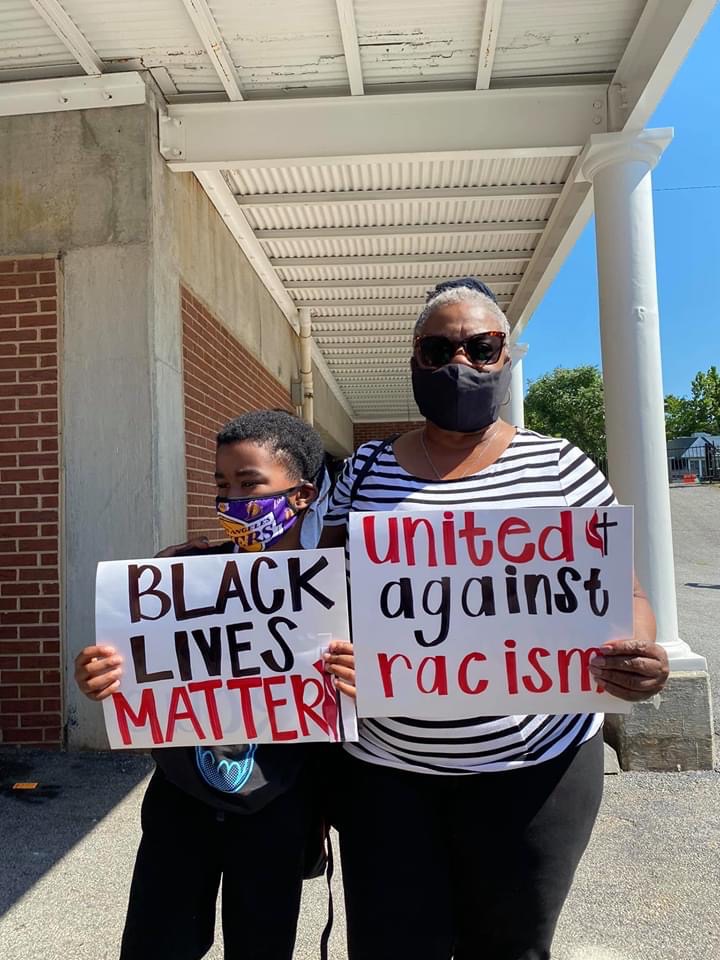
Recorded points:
98,671
340,662
200,543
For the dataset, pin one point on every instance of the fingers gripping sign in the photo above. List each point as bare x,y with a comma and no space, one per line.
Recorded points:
98,670
340,663
631,669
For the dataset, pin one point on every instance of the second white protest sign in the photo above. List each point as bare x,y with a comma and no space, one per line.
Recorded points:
470,613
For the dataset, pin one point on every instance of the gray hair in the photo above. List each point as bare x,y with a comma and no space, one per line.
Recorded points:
463,295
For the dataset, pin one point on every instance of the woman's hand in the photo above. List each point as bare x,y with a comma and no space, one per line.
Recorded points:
631,669
634,669
340,662
98,671
200,543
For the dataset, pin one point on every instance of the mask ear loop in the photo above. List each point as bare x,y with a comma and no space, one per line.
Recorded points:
506,401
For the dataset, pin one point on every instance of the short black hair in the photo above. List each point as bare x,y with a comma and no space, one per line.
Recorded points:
293,441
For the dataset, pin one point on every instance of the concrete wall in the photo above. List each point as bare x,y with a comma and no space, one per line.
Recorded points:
92,186
110,482
77,183
73,179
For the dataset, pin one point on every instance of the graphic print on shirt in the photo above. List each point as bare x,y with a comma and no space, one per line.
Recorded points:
226,774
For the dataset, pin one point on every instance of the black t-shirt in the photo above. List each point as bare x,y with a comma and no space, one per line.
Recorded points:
240,778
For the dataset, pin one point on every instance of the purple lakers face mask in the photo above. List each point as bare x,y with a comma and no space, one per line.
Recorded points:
254,523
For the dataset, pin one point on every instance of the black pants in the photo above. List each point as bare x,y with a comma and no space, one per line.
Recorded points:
186,847
472,867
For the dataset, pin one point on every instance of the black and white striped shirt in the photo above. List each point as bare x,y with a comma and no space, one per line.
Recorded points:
534,471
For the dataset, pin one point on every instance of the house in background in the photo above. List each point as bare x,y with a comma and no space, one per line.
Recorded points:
698,454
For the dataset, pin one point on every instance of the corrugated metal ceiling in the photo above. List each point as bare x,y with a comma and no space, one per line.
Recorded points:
285,48
401,176
25,38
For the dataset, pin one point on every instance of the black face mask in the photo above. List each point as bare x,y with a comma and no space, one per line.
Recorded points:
458,397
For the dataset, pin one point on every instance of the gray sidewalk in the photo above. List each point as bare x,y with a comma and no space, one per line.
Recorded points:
647,888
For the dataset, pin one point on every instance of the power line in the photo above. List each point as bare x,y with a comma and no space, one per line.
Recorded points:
703,186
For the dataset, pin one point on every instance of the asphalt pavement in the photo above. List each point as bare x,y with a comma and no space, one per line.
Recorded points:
647,888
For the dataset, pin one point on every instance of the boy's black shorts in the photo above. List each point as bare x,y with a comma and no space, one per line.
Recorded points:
186,847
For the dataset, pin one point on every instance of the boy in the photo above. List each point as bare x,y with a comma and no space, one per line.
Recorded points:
246,812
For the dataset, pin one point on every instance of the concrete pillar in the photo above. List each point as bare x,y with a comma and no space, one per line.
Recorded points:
516,413
619,166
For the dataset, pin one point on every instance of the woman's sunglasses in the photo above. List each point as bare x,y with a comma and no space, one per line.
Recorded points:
480,349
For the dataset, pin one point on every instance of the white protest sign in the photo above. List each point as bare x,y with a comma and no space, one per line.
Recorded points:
225,648
471,613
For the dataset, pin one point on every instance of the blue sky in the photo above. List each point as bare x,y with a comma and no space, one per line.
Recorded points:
687,237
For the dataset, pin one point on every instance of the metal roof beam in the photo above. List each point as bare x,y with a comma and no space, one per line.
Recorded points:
368,324
425,282
57,18
208,31
659,44
488,43
540,191
397,383
380,352
371,302
537,121
350,340
71,93
405,230
397,379
351,45
361,363
497,256
397,388
413,418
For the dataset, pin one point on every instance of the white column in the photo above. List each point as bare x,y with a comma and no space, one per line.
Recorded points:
516,413
619,166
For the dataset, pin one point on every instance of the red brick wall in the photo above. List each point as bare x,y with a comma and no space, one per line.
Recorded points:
222,380
30,657
378,431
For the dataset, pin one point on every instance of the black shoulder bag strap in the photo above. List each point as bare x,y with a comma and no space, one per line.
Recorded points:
365,469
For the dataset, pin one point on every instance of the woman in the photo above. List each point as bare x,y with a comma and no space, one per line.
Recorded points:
474,827
249,814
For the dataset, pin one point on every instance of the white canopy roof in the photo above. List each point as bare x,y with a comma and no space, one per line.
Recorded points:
362,150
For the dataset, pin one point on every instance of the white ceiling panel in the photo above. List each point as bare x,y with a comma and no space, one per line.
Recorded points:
397,214
563,36
281,47
27,40
400,244
149,33
419,41
388,176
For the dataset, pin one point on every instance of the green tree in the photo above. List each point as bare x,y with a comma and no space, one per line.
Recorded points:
569,403
680,416
699,413
706,396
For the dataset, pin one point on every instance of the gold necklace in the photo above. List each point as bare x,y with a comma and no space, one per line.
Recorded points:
435,469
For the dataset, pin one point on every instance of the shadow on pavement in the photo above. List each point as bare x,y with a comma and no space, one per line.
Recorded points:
39,825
